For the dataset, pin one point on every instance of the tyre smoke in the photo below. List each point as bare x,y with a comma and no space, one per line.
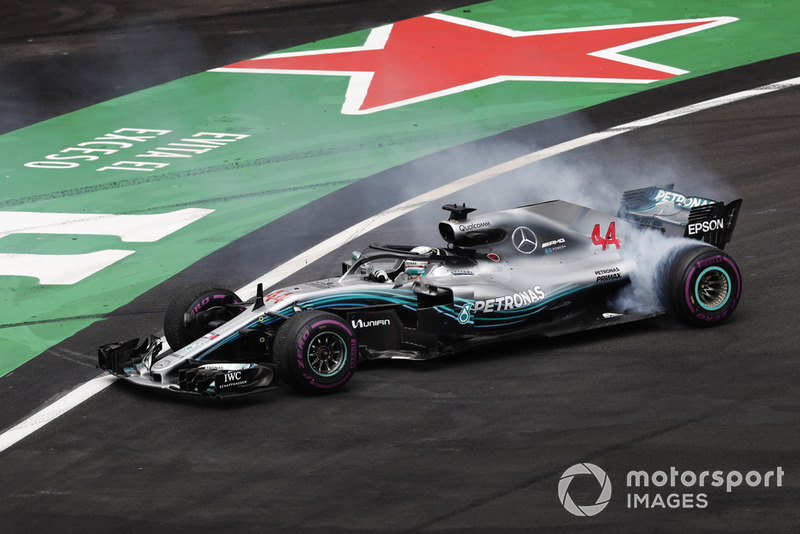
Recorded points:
595,177
652,253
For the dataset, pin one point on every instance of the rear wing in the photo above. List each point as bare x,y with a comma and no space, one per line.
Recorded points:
677,214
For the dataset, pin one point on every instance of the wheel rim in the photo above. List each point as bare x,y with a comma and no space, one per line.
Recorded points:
712,288
327,353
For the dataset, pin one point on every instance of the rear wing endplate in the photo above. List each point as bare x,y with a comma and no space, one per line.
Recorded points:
713,223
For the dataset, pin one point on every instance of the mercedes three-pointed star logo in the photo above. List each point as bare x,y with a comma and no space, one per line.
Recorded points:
524,239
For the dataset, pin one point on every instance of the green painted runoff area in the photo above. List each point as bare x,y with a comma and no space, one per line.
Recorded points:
298,147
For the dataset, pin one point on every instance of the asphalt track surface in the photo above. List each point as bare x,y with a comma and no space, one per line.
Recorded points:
475,442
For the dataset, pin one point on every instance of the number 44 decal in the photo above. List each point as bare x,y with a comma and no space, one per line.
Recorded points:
610,239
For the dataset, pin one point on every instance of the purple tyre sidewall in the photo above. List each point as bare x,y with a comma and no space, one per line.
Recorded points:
344,372
689,299
208,301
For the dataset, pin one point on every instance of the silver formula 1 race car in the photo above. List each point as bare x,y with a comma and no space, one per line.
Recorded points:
545,269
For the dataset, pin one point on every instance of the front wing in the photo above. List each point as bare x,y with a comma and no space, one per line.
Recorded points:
137,361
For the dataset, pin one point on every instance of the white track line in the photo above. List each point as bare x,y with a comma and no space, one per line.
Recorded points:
52,411
92,387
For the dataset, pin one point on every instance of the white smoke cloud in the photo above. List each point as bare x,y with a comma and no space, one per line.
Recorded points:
653,253
595,177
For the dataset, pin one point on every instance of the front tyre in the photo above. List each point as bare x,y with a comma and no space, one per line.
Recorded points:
197,310
315,352
705,286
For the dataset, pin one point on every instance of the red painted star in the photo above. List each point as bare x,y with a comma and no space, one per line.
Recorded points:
428,57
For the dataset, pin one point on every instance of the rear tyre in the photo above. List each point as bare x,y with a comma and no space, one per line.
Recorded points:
197,310
315,352
705,286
